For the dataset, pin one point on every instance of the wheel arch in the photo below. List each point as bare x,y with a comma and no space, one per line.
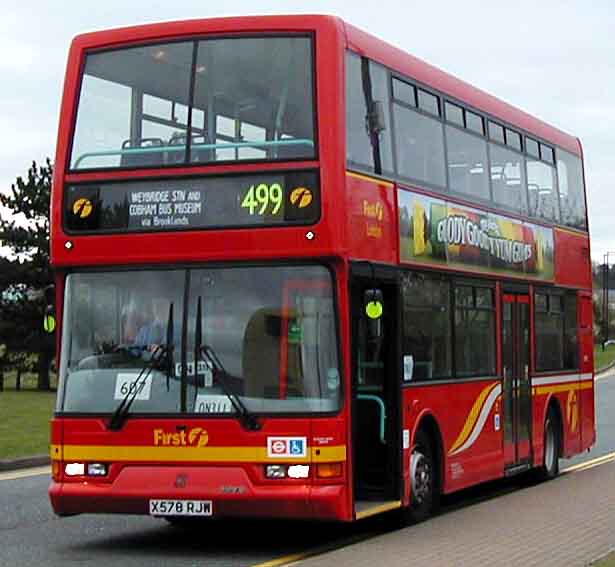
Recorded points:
428,423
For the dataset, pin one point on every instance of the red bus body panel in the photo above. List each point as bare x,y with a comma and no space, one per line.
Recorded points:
572,260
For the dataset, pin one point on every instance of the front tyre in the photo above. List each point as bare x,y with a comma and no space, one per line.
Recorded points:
424,480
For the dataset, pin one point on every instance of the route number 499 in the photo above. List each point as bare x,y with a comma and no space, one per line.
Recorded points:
263,199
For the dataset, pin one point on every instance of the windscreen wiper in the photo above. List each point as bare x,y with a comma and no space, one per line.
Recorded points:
161,352
219,374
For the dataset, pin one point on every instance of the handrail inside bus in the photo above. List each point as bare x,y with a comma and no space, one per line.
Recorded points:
382,411
182,148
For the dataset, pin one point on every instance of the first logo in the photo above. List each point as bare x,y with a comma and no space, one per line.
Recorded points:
82,208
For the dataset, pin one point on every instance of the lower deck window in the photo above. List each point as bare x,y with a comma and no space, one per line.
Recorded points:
448,329
427,330
556,332
474,331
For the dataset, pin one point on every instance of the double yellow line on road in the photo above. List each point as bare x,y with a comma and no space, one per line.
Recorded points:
603,460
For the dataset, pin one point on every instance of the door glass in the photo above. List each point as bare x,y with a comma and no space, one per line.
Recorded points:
508,353
525,392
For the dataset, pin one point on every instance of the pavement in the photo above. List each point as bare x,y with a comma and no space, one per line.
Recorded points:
569,521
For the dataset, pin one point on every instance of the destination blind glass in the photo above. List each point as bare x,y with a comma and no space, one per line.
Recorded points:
264,199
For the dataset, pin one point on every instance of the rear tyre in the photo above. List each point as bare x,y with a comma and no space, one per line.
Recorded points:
425,489
550,465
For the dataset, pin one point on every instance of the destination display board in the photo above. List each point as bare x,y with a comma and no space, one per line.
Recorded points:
436,231
263,199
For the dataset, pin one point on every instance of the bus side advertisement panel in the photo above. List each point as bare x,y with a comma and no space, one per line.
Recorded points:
437,232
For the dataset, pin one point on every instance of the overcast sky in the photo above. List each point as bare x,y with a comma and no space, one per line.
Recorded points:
552,58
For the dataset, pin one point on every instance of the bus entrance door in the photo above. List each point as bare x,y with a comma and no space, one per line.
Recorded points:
375,414
517,387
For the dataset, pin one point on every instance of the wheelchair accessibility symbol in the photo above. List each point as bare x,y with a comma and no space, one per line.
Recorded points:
295,447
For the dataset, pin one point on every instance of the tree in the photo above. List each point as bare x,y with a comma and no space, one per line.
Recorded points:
25,273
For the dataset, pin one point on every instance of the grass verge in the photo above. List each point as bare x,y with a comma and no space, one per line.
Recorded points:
603,358
24,426
608,561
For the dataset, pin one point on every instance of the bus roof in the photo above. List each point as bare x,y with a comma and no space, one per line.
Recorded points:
356,40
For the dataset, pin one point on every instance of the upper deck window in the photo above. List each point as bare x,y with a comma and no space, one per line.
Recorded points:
366,84
467,163
419,146
428,102
546,153
542,190
404,92
474,122
496,132
508,182
571,193
454,114
531,147
238,99
513,139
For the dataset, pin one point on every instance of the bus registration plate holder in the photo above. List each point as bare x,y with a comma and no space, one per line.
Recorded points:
160,507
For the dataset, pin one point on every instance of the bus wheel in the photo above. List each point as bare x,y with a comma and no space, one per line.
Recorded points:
550,466
423,477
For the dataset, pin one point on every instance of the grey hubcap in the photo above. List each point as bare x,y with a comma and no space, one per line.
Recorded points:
420,472
549,447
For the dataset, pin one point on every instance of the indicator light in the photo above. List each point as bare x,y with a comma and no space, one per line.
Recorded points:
56,470
328,470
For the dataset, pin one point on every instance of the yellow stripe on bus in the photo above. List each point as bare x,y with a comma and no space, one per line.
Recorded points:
366,178
541,390
136,453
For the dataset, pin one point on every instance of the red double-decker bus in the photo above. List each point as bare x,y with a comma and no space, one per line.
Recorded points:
301,273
